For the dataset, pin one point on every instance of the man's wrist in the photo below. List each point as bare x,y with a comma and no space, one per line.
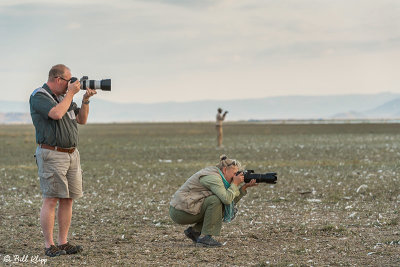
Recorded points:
85,101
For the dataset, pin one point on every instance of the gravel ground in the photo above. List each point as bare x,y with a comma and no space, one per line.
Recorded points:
336,202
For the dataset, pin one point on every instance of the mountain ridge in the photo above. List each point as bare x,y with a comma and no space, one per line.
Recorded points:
355,106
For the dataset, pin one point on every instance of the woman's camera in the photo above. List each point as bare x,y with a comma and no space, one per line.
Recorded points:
269,177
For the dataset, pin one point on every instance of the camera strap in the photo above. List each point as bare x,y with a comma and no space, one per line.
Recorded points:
42,90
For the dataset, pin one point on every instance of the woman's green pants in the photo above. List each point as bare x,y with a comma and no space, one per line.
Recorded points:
208,221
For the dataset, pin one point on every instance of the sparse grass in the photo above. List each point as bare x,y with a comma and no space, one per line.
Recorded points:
393,242
336,201
394,221
333,229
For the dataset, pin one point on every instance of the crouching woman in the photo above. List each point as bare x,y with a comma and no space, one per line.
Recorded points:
207,198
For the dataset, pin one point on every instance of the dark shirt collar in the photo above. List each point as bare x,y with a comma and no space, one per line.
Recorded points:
47,88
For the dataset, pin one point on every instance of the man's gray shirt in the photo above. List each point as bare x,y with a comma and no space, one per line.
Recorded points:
61,133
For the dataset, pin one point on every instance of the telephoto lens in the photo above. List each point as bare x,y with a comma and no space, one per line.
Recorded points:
269,177
104,85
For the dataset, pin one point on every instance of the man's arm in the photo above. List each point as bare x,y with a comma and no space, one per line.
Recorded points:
223,116
57,112
82,116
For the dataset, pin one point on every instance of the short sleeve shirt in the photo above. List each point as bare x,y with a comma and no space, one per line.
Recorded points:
220,118
61,133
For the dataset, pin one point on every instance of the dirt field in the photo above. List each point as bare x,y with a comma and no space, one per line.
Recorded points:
336,202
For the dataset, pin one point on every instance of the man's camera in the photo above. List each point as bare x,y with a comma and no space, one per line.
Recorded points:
269,177
104,85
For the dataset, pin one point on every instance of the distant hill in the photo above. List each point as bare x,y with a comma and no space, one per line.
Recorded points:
388,109
284,107
384,105
350,115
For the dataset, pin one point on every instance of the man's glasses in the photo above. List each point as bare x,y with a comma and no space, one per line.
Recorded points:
64,79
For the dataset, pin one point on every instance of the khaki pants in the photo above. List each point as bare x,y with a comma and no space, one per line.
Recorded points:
219,135
60,173
208,221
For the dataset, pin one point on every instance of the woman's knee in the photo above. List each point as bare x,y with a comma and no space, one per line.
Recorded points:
213,201
181,217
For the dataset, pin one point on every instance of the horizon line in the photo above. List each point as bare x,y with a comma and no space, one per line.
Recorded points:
231,99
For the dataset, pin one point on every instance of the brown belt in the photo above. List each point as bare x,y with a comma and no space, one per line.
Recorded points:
60,149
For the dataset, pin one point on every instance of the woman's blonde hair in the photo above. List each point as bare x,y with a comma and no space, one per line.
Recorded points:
224,161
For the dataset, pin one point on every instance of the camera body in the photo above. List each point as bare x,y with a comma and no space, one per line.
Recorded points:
269,177
104,85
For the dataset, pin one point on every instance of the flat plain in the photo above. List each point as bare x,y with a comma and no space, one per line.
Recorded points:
336,202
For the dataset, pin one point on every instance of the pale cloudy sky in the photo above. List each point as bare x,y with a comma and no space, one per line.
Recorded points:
183,50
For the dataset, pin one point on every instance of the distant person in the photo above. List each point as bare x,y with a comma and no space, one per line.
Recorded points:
220,119
208,197
55,117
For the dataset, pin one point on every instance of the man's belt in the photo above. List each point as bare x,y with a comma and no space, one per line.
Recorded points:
60,149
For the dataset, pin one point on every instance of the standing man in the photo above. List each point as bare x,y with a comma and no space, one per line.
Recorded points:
220,119
55,117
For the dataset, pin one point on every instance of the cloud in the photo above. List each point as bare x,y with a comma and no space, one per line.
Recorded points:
180,45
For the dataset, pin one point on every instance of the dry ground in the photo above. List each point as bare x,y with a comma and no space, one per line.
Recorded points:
336,202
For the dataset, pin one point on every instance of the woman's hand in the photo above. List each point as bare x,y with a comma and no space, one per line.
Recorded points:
238,179
251,184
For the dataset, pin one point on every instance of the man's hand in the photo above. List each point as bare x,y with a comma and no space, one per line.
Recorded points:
238,178
89,93
74,87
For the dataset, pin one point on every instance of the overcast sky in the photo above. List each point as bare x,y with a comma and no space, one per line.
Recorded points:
184,50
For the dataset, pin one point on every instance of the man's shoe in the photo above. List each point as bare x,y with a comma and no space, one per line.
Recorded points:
53,251
192,234
70,249
207,241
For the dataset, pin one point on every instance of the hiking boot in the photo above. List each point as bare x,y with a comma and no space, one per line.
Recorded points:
53,251
192,234
70,249
207,241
